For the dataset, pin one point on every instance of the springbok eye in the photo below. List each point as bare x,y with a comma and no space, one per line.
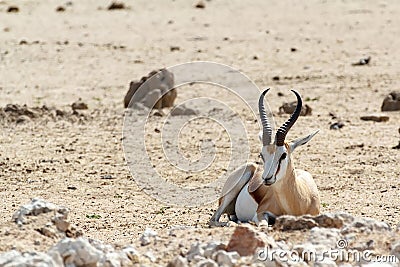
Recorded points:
283,156
261,156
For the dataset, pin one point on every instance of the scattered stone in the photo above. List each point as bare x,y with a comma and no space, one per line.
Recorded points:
224,258
337,125
77,252
13,9
178,261
79,105
147,236
200,4
107,177
207,263
375,117
245,240
13,113
397,147
116,5
276,78
131,253
329,220
60,9
293,49
395,250
149,254
195,250
290,223
174,48
289,108
16,258
182,111
212,247
36,207
326,262
364,225
333,115
60,222
155,91
391,102
23,119
326,237
361,62
354,146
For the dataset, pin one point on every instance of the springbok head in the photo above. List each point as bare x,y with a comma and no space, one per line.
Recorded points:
276,156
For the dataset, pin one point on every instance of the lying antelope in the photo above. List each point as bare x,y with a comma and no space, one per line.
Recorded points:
251,195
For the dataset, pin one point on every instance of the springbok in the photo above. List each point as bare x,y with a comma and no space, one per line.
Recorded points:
261,195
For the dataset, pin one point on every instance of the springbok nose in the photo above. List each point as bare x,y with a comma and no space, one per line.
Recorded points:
268,180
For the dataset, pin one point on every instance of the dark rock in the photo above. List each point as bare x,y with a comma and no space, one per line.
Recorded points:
154,88
363,61
391,102
375,117
13,9
200,4
116,5
60,9
289,108
337,125
290,223
79,105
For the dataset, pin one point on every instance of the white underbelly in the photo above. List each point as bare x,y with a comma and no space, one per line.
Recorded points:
245,206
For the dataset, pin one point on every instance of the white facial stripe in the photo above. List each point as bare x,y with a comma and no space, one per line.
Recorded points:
272,162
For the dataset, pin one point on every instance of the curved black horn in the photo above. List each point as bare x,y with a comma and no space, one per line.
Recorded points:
284,129
267,130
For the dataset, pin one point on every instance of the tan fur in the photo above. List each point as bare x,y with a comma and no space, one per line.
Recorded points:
293,195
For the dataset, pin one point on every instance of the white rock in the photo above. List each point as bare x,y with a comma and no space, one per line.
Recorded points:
112,259
131,253
182,111
324,236
195,250
377,264
365,225
60,222
105,248
15,258
224,258
325,263
147,236
149,254
207,263
211,247
8,256
77,252
35,207
396,250
178,261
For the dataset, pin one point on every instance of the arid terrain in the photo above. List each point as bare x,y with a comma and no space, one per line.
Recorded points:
50,59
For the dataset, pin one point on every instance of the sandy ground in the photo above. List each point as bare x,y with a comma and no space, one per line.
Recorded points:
54,58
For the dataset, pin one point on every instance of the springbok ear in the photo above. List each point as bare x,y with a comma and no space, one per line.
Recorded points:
301,141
